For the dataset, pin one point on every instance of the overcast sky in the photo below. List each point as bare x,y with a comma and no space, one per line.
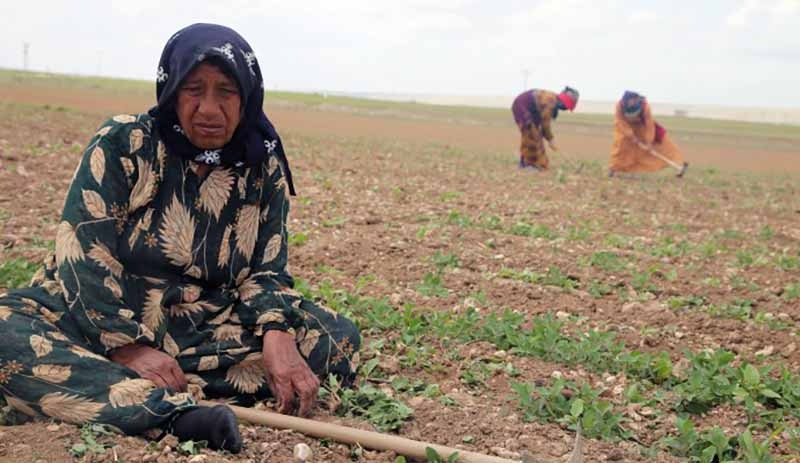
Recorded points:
730,52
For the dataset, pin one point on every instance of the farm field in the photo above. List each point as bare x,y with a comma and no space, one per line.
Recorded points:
499,307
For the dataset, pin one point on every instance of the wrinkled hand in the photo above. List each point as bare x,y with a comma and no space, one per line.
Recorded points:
641,144
151,364
553,145
288,375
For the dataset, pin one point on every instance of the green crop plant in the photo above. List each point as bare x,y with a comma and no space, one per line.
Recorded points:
298,239
91,435
432,286
444,261
458,219
685,302
567,403
15,273
740,309
555,277
788,262
670,248
366,402
607,261
599,289
491,222
534,231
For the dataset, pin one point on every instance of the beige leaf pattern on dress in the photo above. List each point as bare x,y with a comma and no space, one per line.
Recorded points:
180,399
5,313
126,313
221,318
247,230
50,316
211,307
225,248
270,317
228,332
57,335
94,204
273,248
129,392
103,131
111,284
185,309
145,185
177,233
69,408
237,350
249,289
196,392
97,164
127,166
153,313
309,342
280,184
52,373
215,191
327,309
84,353
161,156
100,254
40,345
208,362
192,378
136,139
242,186
188,351
68,248
170,346
243,274
194,272
20,405
142,225
51,287
145,332
265,214
248,375
124,118
114,340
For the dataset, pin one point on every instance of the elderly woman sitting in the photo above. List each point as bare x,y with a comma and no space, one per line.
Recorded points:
169,280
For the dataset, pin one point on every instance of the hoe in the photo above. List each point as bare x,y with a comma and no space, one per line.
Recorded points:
377,441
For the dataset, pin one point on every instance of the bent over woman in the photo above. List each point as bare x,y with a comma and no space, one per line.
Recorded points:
533,111
640,143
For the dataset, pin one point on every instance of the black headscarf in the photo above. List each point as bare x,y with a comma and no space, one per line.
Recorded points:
255,138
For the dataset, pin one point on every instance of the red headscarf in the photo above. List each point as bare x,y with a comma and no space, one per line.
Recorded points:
569,98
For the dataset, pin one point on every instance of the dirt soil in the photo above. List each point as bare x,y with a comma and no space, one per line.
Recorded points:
380,196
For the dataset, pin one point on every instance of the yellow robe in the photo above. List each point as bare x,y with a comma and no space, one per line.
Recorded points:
627,156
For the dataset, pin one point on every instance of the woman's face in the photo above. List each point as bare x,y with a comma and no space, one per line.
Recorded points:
209,107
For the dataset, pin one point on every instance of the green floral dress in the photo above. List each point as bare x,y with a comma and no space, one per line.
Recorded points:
148,252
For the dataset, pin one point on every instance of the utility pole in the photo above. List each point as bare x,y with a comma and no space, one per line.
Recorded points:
25,53
525,74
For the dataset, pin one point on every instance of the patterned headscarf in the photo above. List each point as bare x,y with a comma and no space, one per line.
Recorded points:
632,104
255,138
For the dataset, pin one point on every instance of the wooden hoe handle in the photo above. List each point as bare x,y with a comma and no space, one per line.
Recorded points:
347,435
